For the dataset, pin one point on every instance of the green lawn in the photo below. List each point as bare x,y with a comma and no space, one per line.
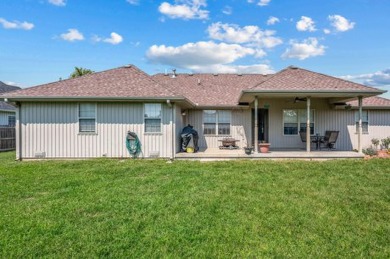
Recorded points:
150,208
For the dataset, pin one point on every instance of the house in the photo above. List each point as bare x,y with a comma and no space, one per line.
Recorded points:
7,111
89,116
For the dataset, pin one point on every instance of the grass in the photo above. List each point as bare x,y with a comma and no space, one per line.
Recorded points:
150,208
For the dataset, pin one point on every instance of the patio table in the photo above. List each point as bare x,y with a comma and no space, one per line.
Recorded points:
317,139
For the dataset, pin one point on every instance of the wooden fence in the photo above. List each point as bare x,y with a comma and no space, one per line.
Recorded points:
7,138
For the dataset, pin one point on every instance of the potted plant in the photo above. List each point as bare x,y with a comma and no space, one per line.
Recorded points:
264,147
248,150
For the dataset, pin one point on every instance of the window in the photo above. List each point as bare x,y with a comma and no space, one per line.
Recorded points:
364,121
294,121
11,121
153,117
216,122
87,117
303,121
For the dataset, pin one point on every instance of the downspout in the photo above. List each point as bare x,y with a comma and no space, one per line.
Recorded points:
256,133
360,127
308,103
19,131
172,128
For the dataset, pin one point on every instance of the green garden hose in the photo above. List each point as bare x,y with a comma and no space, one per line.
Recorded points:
133,144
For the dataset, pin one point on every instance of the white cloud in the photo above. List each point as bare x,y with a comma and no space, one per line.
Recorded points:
306,24
228,10
378,78
272,20
303,50
72,35
234,69
261,2
340,23
251,35
199,54
133,2
327,31
114,38
16,25
185,9
57,2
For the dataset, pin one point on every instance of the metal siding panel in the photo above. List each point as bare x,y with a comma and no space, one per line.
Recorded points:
4,117
325,119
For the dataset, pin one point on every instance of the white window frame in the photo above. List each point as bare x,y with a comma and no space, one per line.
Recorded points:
299,112
12,116
153,118
87,118
364,130
229,112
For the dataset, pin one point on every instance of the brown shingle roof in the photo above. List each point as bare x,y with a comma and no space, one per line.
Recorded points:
4,88
298,79
374,101
128,81
209,89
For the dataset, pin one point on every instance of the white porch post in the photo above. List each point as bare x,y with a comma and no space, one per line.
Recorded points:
308,125
256,133
360,127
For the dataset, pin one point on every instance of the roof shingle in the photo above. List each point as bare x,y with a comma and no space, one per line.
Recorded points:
211,89
298,79
374,101
128,81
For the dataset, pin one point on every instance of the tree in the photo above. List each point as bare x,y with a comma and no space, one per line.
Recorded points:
79,71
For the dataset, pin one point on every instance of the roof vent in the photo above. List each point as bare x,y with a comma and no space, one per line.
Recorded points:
215,74
198,81
239,74
128,66
173,73
293,67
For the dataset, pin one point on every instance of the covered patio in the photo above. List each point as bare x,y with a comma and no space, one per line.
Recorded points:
312,89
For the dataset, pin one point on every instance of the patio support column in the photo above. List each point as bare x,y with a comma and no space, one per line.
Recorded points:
256,133
308,102
360,127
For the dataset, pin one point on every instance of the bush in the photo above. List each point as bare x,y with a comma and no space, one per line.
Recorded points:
386,143
375,142
370,151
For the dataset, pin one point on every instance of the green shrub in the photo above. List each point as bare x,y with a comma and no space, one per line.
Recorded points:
370,151
375,142
386,143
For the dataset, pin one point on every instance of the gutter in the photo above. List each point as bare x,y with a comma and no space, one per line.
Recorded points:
98,98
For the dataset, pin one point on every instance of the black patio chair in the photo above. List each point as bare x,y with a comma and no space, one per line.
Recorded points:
302,134
329,139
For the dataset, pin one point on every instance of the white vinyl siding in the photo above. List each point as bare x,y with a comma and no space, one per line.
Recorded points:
240,128
4,117
216,122
364,121
152,118
11,120
294,121
53,128
87,117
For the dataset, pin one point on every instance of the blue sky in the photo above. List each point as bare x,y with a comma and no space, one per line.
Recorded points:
43,40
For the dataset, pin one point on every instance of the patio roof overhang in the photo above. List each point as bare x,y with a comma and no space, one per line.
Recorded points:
248,96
